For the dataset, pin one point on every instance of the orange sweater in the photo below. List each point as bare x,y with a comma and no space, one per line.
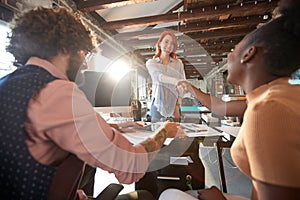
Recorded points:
268,145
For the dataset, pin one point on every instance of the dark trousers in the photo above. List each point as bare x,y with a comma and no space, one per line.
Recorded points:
88,180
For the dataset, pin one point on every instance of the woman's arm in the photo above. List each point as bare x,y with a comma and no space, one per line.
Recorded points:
158,75
268,191
177,111
215,104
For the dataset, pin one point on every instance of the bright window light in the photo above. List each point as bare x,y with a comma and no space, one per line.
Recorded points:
6,59
118,69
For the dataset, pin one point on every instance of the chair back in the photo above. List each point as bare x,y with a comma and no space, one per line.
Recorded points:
66,180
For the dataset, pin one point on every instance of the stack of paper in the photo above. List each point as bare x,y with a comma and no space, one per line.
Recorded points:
198,130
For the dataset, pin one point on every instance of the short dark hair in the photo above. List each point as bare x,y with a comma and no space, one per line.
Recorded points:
44,32
280,41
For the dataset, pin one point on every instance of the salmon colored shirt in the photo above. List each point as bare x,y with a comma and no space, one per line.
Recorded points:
61,120
267,147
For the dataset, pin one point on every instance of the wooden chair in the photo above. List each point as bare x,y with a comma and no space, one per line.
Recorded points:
67,178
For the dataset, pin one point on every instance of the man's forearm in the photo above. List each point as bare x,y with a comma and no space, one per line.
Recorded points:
155,143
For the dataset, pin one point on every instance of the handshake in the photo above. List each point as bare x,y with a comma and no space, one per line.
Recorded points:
183,87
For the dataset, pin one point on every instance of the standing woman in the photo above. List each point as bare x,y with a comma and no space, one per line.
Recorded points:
165,70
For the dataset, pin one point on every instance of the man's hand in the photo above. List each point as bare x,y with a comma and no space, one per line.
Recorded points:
126,127
173,130
183,86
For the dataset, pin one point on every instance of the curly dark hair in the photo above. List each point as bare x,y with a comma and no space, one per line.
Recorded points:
44,32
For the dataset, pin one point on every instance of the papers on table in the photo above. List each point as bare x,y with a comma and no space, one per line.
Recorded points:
191,130
198,130
232,130
138,136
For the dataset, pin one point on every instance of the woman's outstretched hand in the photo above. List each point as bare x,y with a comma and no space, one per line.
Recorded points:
183,86
212,193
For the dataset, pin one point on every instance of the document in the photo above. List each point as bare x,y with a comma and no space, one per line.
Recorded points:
232,130
198,130
138,136
183,160
191,130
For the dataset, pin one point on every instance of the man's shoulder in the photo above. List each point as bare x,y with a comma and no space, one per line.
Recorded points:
60,86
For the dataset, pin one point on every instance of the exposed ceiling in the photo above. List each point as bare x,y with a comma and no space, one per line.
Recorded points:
207,30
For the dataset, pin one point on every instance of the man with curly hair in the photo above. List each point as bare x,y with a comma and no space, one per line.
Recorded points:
45,118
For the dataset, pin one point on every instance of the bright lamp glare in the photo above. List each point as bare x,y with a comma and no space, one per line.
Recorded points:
119,69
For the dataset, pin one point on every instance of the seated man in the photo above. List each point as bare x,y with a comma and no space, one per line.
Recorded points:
45,117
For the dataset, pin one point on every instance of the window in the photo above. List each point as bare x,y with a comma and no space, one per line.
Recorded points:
142,87
6,59
295,79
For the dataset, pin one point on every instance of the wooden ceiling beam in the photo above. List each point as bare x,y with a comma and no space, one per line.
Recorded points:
92,5
219,51
101,20
234,11
221,41
198,49
192,4
192,71
218,43
192,51
205,25
202,25
190,39
217,34
198,67
202,59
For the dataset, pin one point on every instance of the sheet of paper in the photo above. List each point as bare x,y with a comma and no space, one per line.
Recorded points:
139,136
143,133
198,130
184,160
232,130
